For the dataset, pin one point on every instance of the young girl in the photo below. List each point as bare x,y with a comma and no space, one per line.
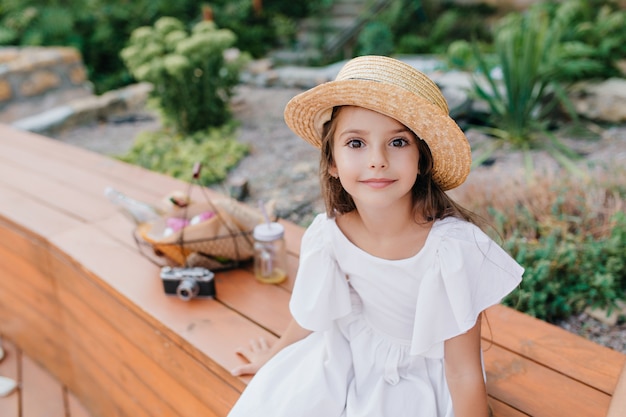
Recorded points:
393,277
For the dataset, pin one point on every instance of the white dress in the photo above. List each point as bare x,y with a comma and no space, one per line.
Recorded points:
379,325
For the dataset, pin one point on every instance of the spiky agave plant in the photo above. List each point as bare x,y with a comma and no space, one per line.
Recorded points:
522,90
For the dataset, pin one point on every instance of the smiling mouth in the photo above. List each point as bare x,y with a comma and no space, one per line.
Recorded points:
378,182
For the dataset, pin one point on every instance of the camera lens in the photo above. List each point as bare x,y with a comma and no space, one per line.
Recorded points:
187,289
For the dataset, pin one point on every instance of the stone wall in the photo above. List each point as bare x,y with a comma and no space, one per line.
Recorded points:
34,79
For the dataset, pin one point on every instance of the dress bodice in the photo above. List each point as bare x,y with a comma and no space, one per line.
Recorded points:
426,299
387,289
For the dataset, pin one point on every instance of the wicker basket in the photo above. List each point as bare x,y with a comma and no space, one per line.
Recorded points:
213,238
221,242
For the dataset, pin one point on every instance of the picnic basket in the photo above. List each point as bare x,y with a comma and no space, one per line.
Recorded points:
223,241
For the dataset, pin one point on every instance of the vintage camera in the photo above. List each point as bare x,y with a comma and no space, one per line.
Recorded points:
188,283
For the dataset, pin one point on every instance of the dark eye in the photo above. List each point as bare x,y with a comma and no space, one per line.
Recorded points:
399,142
355,143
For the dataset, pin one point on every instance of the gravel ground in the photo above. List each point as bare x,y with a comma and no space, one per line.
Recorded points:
284,168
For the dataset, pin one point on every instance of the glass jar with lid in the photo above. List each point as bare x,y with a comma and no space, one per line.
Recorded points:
270,258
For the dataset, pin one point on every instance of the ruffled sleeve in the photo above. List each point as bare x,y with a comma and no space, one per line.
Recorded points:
470,273
321,293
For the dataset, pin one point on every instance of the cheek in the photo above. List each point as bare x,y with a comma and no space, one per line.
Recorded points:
345,165
339,159
409,165
413,161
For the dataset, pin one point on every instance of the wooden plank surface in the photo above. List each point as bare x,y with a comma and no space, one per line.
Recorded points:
93,319
537,390
564,352
29,307
56,159
500,409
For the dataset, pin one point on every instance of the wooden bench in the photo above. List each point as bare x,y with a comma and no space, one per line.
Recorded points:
77,296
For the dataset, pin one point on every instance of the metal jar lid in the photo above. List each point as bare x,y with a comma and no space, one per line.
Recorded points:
266,232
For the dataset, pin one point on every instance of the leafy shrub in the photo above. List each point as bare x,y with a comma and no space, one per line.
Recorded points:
593,38
521,91
428,27
97,28
567,272
286,30
255,34
193,81
258,31
568,234
375,39
174,154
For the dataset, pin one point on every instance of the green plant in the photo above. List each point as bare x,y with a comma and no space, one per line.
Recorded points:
375,39
593,38
570,236
428,27
286,29
566,272
255,35
522,91
460,55
193,81
258,31
97,28
174,154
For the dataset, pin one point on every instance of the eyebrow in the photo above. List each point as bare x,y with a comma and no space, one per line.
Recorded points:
361,131
352,132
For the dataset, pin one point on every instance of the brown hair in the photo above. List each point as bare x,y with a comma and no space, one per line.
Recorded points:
430,202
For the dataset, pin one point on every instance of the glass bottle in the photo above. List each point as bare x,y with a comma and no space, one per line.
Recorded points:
138,211
270,258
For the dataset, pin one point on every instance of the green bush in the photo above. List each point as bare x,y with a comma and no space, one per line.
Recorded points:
174,154
570,236
593,38
193,81
258,31
566,271
375,39
255,35
428,27
97,28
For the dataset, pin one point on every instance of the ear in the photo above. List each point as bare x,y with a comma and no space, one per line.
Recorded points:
332,171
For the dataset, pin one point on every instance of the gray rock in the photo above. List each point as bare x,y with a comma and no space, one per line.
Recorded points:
603,101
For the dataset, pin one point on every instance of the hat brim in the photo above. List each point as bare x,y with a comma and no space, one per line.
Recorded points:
307,112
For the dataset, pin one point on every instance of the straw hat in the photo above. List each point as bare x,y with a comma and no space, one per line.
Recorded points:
397,90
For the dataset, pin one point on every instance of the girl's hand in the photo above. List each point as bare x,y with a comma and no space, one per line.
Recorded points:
257,353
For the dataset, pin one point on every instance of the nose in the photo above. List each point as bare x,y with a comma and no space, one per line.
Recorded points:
378,158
